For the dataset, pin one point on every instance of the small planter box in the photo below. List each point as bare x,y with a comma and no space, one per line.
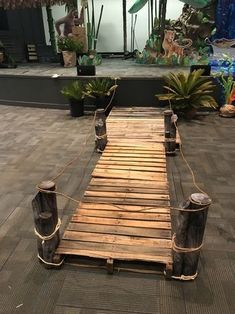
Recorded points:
86,70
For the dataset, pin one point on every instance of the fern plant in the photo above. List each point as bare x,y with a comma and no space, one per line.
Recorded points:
99,88
186,92
73,90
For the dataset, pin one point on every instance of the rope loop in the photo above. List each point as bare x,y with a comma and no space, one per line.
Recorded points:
190,210
49,263
185,278
49,237
179,249
100,137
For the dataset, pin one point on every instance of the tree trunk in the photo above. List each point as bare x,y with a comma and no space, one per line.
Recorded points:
51,29
124,26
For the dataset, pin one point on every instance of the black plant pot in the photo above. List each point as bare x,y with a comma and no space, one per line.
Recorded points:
85,70
102,102
76,107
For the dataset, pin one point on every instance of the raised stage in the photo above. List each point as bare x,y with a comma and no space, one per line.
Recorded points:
33,84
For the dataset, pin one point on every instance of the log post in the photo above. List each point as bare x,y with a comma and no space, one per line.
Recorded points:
47,224
170,144
167,120
100,130
188,239
170,132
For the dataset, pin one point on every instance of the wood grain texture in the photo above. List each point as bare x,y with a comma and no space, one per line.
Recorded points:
125,211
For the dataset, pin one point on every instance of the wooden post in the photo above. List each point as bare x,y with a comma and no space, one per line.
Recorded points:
170,144
100,130
47,224
110,266
188,239
167,119
170,132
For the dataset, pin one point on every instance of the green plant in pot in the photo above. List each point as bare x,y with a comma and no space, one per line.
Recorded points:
74,93
100,90
188,92
69,48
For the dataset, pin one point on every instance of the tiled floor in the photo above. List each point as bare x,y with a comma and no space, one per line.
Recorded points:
34,145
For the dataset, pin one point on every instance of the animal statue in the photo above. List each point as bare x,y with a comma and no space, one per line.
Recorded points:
172,46
69,21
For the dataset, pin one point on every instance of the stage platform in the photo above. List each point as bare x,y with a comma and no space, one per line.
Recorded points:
114,67
39,85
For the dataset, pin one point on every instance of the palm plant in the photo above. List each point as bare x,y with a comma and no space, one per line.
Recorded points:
74,93
99,88
187,92
73,90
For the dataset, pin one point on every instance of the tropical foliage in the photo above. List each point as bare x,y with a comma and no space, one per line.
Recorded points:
95,59
229,88
73,90
69,44
188,91
100,88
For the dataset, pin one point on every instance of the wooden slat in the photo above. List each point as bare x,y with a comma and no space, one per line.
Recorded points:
121,230
120,174
118,256
111,239
116,248
124,195
126,189
125,208
124,215
121,222
131,167
159,160
127,182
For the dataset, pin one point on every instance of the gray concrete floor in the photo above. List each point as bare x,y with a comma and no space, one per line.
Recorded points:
109,67
34,145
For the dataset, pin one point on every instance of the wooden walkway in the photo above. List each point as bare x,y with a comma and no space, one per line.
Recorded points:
125,211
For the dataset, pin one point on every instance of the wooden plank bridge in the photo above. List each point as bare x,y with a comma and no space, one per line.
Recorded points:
125,212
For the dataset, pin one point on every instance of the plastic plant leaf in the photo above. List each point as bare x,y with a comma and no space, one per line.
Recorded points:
137,6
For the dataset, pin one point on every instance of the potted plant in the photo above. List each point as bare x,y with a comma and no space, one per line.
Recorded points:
74,93
87,63
228,85
188,93
100,90
69,48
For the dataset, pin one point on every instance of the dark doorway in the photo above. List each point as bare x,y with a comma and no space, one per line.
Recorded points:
3,20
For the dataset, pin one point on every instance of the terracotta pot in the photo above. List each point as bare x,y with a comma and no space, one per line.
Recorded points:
70,59
227,111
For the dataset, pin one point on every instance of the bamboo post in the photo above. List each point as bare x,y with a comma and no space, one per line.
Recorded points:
100,130
47,224
188,240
